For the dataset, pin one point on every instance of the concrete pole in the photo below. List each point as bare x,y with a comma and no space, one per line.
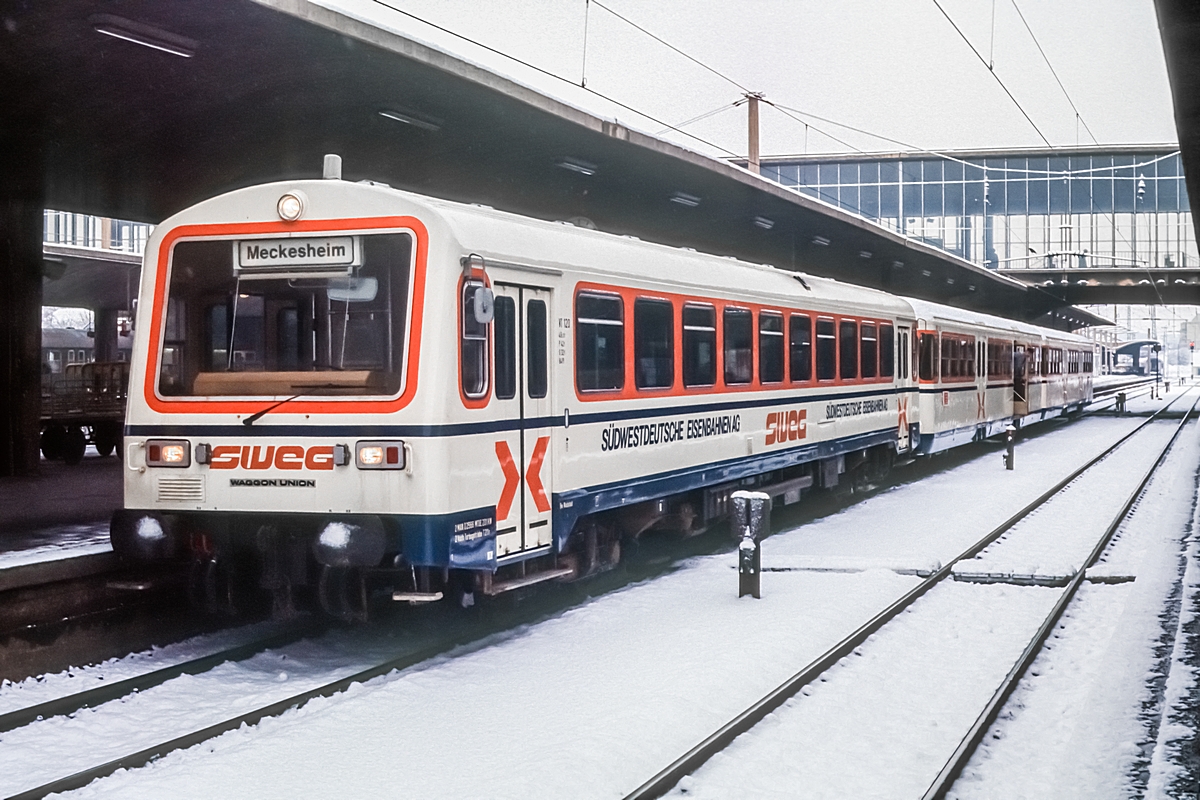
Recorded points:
752,108
21,222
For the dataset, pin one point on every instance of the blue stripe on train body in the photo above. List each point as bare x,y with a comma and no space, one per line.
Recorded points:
438,541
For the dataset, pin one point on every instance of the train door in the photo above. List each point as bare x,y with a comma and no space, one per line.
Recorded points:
522,392
904,384
1020,381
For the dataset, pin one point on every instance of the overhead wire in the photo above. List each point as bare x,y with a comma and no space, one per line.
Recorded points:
705,115
667,44
1046,58
787,110
553,75
989,68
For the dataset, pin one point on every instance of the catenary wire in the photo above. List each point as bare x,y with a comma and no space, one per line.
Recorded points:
667,44
784,109
705,115
550,74
1053,72
983,61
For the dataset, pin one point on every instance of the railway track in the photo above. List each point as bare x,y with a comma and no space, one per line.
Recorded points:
465,635
438,637
720,740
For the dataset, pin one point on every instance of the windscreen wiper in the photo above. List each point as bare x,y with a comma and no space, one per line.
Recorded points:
257,415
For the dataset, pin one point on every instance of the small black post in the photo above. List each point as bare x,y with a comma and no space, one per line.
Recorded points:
1009,455
1120,402
751,519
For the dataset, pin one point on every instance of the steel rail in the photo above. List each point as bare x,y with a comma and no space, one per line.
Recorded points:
471,633
967,747
90,698
475,631
720,739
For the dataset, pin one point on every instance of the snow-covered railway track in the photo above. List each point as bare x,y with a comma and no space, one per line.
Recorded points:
975,565
425,647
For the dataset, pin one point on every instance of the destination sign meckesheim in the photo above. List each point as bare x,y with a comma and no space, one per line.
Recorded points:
341,251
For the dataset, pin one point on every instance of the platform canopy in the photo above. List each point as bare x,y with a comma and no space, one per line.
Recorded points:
1179,26
143,107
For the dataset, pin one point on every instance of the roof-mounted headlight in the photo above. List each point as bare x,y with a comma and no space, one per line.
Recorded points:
291,206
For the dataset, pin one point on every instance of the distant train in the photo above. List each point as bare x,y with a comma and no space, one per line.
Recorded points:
341,391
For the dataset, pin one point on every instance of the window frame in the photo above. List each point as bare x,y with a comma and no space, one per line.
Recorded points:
957,357
811,345
834,357
481,397
933,338
842,324
736,310
644,301
625,340
862,347
683,344
765,314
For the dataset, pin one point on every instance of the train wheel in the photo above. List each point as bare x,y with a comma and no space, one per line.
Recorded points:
221,587
74,445
106,438
53,439
342,593
198,582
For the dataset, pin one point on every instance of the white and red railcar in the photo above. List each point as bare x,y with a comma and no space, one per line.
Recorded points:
343,389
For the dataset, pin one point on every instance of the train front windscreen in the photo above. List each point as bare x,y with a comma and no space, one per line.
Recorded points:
284,316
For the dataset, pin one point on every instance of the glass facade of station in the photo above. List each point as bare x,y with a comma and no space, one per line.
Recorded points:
83,230
1016,209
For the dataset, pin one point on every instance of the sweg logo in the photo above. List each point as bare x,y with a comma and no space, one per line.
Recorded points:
786,426
232,456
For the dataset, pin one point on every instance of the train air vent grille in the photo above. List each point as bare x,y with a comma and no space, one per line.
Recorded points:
181,490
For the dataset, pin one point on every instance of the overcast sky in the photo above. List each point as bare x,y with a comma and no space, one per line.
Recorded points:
896,68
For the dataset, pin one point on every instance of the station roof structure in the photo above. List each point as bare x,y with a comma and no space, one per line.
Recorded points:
1179,26
144,107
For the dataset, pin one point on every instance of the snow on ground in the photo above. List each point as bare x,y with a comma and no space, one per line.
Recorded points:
882,722
1177,730
61,541
938,517
592,702
1074,726
43,688
608,692
1056,539
184,704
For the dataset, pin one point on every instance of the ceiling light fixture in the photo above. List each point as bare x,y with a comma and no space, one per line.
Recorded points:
764,223
411,118
146,35
577,165
689,200
821,240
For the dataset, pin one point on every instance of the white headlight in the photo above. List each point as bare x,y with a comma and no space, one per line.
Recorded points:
291,206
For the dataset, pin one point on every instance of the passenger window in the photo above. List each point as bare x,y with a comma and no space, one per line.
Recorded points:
800,347
536,335
739,346
848,355
699,345
927,357
653,343
770,347
505,328
869,347
474,345
826,350
599,342
887,348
